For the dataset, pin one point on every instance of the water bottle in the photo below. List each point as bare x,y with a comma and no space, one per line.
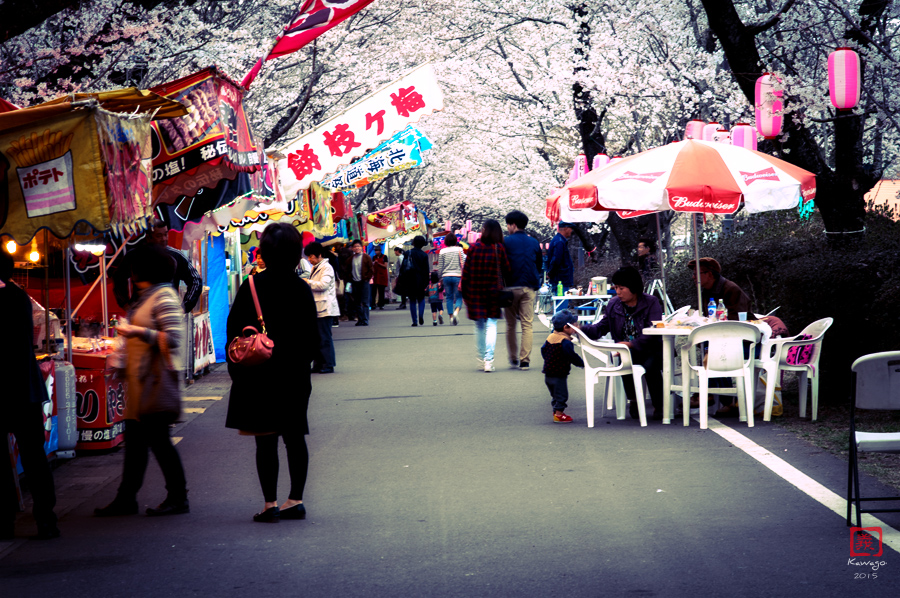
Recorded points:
711,309
559,289
721,312
113,323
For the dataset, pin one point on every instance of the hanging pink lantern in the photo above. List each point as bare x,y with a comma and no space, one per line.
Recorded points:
694,129
743,135
722,135
600,160
769,106
709,130
844,78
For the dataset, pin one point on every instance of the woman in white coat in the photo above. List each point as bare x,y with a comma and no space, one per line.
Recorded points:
322,282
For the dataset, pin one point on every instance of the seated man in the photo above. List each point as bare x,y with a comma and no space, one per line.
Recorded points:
716,286
626,316
646,254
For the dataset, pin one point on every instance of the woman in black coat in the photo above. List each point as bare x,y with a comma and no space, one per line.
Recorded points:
270,399
416,277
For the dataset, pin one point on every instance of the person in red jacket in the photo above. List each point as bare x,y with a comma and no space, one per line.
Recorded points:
380,281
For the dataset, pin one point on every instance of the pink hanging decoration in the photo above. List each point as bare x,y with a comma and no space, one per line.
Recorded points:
600,160
694,129
769,106
722,135
743,135
710,130
844,78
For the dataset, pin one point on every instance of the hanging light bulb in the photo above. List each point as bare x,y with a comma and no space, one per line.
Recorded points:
11,247
34,256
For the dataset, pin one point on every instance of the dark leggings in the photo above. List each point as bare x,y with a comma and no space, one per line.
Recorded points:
151,433
267,464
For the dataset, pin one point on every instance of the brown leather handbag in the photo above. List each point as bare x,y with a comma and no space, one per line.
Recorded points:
253,347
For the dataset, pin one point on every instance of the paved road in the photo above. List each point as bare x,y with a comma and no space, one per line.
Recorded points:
428,478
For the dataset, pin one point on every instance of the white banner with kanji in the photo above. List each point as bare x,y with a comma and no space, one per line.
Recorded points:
342,139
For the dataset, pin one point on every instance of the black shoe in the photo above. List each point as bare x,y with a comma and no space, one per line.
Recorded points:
295,512
523,365
270,515
326,371
421,321
657,415
633,411
117,508
402,306
414,324
434,323
316,370
167,507
47,531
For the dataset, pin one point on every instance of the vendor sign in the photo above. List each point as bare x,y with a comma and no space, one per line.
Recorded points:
349,135
54,170
401,152
214,141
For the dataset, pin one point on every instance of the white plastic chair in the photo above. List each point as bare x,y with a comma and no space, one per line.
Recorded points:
875,385
773,359
725,359
614,361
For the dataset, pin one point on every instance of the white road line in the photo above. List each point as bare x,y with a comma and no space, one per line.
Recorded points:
194,409
802,482
201,398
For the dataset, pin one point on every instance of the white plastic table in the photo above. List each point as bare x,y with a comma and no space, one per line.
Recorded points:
668,335
601,303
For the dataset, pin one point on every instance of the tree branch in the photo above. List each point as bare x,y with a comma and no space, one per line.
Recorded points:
758,28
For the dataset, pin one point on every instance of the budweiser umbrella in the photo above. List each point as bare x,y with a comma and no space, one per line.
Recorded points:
693,176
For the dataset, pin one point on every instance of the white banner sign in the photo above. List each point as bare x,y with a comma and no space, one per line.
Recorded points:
350,135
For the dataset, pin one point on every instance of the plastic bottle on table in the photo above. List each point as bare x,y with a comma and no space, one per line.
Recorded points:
721,312
559,289
113,323
711,309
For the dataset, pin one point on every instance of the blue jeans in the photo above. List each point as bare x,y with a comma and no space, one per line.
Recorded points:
414,304
485,338
452,294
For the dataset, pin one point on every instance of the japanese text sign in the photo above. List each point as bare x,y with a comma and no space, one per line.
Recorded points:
367,123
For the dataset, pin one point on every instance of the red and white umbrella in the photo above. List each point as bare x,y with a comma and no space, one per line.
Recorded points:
694,176
688,176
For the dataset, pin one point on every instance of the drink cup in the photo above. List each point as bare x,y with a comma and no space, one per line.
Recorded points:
742,316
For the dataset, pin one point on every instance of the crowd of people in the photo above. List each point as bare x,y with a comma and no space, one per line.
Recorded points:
298,292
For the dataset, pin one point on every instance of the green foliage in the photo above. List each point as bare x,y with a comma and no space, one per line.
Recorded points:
782,262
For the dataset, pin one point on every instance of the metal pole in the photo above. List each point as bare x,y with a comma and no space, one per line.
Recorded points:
47,334
662,267
68,256
697,263
105,323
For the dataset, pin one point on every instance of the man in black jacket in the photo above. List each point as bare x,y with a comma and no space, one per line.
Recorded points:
21,410
184,271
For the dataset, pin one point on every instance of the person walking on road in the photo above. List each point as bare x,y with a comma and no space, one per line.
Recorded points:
359,267
559,357
436,298
485,270
560,268
398,266
415,277
271,399
154,336
21,410
321,281
525,262
380,280
450,266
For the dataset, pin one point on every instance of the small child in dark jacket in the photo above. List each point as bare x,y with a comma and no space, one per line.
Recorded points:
559,355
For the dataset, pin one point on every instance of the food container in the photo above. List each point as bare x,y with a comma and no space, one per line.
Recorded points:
599,283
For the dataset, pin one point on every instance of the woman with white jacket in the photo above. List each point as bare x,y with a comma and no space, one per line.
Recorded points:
322,282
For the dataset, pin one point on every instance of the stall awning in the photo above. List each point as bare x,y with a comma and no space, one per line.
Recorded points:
130,100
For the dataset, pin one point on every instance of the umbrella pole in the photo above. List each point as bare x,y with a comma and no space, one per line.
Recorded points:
697,263
662,267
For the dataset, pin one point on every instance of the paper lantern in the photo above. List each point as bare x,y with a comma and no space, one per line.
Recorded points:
709,130
722,135
769,106
844,78
600,160
694,129
743,135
